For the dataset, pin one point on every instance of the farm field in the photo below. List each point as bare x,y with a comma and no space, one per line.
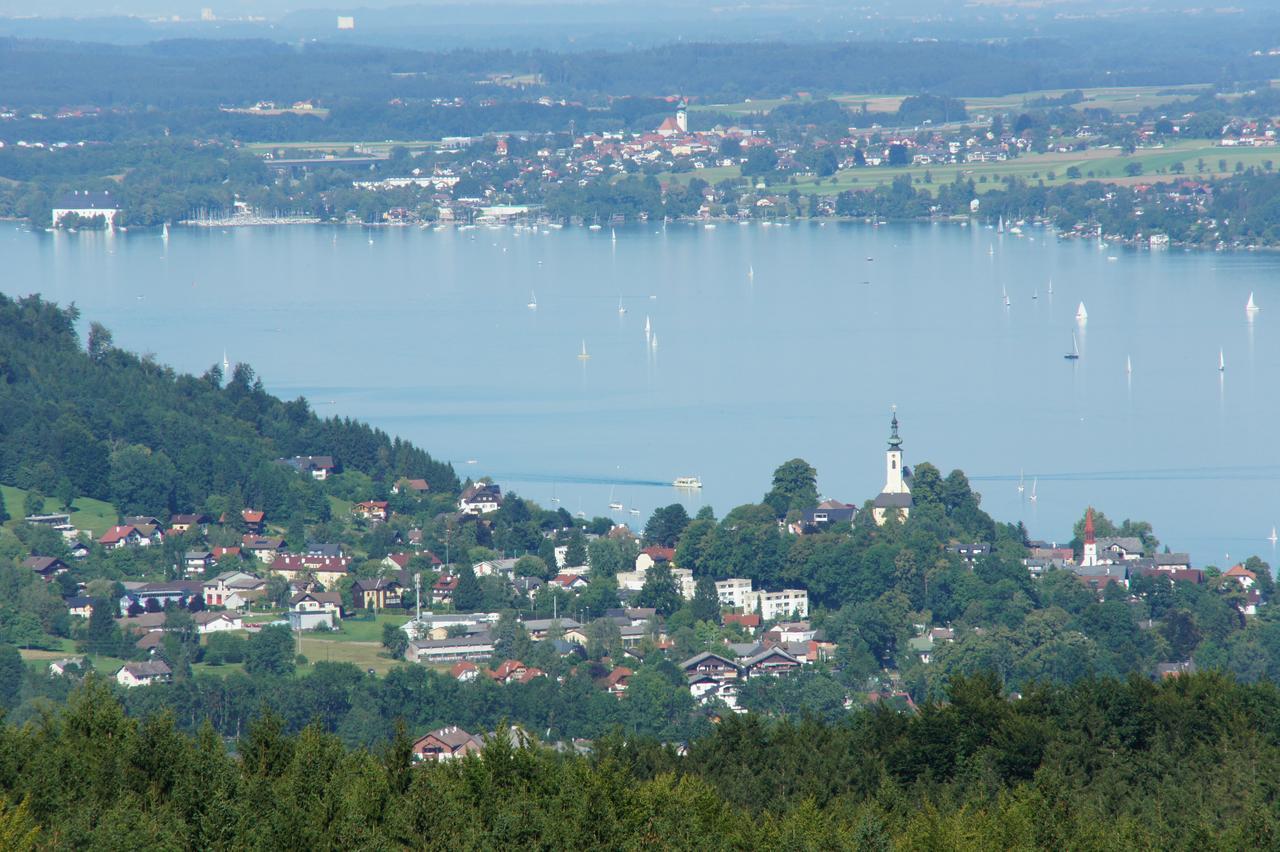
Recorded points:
1096,164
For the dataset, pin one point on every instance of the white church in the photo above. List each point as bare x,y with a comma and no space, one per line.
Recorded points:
897,484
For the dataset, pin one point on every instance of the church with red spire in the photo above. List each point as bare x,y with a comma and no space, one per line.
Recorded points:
1090,556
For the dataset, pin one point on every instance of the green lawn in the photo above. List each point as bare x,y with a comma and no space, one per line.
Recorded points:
358,629
87,514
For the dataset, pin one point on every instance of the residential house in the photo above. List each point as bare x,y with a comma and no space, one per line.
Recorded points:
123,536
197,561
186,523
615,682
400,561
225,553
215,622
315,610
480,499
319,467
827,513
263,548
495,568
749,621
416,487
301,568
451,743
254,521
377,592
143,674
1241,576
790,631
572,582
1101,576
711,664
80,606
651,556
372,511
464,671
443,588
78,550
316,548
970,552
60,668
1120,549
47,567
771,661
233,590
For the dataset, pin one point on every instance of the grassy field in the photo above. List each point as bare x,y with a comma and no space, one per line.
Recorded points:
366,655
1107,165
359,630
87,514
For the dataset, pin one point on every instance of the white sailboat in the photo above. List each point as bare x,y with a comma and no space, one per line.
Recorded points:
1050,286
1032,498
653,342
1005,294
1128,365
621,309
583,356
1272,538
613,235
1082,316
751,273
1249,305
614,505
648,329
226,365
1222,364
1021,484
533,301
164,235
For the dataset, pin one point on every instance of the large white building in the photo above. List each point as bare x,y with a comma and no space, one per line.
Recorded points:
86,204
897,491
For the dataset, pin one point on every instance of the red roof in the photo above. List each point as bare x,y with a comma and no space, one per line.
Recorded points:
445,584
751,620
506,669
612,678
116,534
660,554
252,516
219,552
462,668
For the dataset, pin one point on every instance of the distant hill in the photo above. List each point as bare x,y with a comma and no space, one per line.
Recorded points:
100,422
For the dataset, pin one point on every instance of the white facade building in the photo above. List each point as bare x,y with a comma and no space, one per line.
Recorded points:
86,204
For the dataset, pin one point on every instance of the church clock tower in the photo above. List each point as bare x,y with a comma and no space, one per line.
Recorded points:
897,491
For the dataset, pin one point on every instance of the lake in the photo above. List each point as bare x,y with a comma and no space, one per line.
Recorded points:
773,342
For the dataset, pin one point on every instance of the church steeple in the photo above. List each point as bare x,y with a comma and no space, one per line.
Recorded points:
895,443
897,492
1090,555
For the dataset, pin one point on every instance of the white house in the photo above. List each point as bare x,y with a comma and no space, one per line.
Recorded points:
86,204
143,674
214,622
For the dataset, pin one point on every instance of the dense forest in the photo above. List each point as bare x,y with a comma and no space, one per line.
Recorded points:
173,75
93,420
1190,763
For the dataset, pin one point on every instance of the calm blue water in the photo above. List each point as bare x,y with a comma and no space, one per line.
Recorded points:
427,335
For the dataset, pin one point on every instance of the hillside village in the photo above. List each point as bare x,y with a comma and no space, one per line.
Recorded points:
615,619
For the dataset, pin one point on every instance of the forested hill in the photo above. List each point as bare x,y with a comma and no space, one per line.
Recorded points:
1191,763
100,422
